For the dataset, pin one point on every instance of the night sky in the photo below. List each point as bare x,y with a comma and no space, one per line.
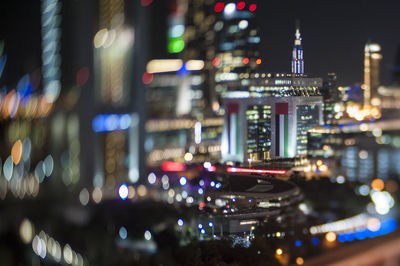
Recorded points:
334,34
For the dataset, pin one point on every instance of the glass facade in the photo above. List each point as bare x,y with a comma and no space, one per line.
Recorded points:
258,130
307,117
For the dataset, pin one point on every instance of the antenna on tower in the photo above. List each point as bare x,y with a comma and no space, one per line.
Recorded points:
297,24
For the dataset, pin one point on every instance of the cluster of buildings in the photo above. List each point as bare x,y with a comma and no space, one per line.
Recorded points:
176,81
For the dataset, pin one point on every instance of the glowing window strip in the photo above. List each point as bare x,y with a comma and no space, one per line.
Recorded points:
254,171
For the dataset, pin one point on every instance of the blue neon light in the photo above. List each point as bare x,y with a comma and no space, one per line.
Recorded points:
111,122
387,226
315,241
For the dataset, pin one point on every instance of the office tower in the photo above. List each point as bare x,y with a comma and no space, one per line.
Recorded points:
270,116
330,95
105,70
297,53
237,41
372,58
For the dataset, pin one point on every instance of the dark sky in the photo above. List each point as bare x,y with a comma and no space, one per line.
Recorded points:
20,31
334,35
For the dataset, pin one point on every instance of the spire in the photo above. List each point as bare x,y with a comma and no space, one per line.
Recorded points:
297,54
297,41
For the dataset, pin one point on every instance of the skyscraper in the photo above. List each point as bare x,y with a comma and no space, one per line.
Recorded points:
237,41
372,57
297,54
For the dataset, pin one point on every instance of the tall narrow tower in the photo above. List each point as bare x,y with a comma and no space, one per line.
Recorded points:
372,57
297,54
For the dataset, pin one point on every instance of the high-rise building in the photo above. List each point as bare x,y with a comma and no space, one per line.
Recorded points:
237,41
297,53
331,98
372,58
270,116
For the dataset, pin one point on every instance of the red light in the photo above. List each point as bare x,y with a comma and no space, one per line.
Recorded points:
216,61
245,61
146,2
82,76
240,5
202,204
172,167
252,7
258,61
254,171
147,78
212,168
219,7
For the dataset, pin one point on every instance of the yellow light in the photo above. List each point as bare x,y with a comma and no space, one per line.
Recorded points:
215,106
142,191
194,65
330,237
373,47
364,127
188,157
163,65
376,101
319,162
377,184
16,152
323,168
279,252
373,224
97,195
100,38
376,56
278,234
132,192
299,261
26,231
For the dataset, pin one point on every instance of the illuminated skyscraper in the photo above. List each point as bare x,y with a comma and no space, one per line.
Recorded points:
372,57
297,54
237,41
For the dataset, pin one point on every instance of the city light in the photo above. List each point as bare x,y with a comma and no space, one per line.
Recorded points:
253,7
147,235
180,222
219,7
299,261
279,252
182,180
240,5
330,237
152,178
254,171
123,233
172,167
163,65
159,117
194,65
229,9
123,191
111,122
